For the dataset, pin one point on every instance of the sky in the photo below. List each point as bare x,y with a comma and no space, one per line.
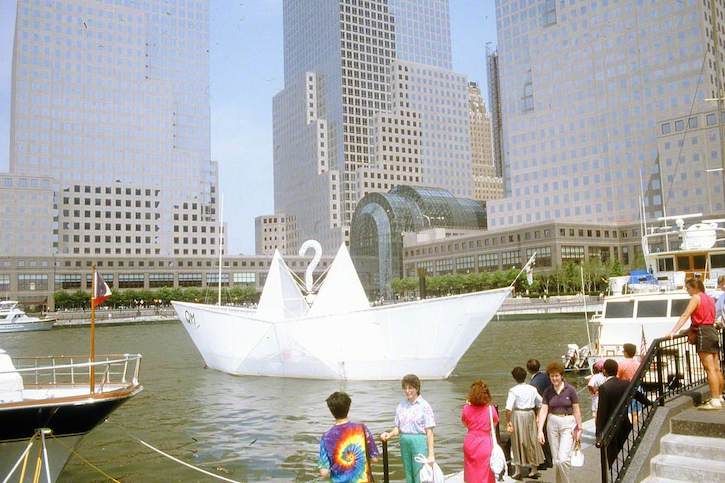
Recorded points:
246,71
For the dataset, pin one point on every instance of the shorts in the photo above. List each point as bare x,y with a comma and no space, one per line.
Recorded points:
707,340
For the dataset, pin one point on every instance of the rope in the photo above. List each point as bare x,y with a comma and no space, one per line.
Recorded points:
176,460
190,466
22,457
111,478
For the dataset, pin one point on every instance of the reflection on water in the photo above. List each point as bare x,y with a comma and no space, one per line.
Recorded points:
255,428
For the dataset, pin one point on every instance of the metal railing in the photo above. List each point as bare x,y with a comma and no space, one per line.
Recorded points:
670,367
56,371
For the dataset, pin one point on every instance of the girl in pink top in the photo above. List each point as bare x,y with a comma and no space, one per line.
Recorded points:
477,445
701,312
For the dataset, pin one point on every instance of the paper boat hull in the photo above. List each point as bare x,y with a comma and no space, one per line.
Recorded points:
426,337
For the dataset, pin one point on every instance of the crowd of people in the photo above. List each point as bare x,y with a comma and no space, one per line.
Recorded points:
543,416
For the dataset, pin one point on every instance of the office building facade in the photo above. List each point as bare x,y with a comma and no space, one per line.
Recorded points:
345,85
275,232
112,102
486,184
584,89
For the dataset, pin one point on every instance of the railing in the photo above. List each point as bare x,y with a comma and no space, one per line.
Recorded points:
54,371
670,367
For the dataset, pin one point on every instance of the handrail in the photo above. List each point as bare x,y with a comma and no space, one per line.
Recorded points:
669,368
127,357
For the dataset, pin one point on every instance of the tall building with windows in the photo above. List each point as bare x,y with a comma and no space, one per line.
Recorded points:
110,99
586,91
361,109
486,185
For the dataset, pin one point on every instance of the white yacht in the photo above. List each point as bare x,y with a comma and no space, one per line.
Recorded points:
13,319
645,305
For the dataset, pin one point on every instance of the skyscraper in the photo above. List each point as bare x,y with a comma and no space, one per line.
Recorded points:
112,102
486,185
359,111
586,89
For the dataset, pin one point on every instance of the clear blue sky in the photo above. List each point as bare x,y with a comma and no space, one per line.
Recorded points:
246,71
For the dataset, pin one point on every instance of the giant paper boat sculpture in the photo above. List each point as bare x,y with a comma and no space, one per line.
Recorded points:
339,335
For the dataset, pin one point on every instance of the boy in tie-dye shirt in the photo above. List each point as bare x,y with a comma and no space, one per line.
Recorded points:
346,449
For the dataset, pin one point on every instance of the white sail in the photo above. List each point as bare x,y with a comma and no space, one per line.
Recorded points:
281,297
341,291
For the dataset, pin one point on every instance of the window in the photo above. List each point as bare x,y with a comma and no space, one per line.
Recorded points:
666,264
488,262
67,280
543,256
652,308
213,279
130,280
692,123
4,282
572,254
161,279
189,279
619,310
510,258
680,125
245,278
465,264
678,306
444,266
711,119
666,128
549,13
32,282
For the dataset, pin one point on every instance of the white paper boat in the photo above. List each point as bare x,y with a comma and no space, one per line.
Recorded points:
339,336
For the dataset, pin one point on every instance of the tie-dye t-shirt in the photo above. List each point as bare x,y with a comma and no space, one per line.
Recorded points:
342,451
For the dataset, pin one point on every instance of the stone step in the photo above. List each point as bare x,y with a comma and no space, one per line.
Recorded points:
682,468
693,446
696,422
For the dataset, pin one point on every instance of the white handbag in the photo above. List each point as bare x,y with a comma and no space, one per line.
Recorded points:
498,458
577,456
429,472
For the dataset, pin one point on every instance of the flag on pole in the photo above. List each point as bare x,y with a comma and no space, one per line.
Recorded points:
102,291
529,269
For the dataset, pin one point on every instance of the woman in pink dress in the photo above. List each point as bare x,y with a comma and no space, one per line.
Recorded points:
477,445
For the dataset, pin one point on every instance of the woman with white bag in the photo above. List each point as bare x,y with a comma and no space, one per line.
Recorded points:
480,417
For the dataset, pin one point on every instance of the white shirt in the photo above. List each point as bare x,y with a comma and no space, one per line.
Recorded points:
594,382
523,396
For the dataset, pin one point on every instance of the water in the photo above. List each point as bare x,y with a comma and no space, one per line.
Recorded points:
254,428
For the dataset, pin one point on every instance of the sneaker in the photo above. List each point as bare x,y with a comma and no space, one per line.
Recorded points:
711,405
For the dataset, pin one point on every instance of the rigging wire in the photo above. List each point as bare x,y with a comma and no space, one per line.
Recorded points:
72,450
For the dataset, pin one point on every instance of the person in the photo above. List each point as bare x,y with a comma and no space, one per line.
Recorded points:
540,381
562,415
701,312
414,422
348,448
628,367
612,390
522,405
477,445
595,381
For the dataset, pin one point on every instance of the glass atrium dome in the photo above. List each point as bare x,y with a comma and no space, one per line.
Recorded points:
380,219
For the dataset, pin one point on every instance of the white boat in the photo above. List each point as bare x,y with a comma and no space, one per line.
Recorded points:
339,335
13,319
646,305
47,406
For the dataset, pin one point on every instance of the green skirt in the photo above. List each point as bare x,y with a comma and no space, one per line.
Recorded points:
411,445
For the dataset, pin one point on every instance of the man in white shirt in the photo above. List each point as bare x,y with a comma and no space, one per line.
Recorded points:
522,405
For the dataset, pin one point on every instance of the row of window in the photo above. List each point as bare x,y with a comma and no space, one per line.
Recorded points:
693,122
65,281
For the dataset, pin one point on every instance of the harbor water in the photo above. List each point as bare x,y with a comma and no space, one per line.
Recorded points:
268,429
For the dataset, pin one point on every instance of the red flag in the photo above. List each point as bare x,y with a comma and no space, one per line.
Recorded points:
102,291
643,346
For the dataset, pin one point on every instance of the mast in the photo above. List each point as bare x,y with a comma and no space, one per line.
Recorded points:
92,357
221,238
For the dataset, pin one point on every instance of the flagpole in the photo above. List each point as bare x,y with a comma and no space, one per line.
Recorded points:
586,315
92,357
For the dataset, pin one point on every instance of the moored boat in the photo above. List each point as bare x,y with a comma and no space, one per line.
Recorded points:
13,319
339,335
47,405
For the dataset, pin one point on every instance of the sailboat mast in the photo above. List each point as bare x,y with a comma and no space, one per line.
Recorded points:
92,355
221,238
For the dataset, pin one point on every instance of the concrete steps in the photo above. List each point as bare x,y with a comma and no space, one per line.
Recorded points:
684,457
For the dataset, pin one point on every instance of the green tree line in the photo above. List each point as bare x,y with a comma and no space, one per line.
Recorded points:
131,297
562,280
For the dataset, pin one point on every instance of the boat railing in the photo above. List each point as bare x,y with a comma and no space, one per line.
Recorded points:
53,371
669,368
